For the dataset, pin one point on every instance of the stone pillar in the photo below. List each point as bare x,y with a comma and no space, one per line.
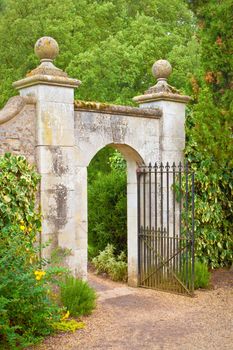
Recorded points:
172,123
172,104
54,93
132,223
82,221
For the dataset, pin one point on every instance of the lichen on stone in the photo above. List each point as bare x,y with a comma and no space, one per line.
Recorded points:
117,109
90,104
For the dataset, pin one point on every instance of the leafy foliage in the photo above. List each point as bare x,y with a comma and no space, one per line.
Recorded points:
77,296
26,309
107,206
202,275
18,185
109,45
209,135
100,164
114,266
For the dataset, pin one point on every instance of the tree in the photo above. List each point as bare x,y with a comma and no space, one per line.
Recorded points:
209,132
109,45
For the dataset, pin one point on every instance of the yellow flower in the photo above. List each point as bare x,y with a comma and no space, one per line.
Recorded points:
29,229
39,275
67,314
22,227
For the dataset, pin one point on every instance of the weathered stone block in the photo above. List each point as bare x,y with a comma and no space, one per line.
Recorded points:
49,93
59,203
51,182
172,144
56,160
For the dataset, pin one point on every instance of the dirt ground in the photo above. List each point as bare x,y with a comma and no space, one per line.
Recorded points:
136,318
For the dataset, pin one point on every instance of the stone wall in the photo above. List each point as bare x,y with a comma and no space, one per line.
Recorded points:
18,128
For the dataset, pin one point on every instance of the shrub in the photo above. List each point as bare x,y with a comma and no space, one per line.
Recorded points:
107,221
115,267
92,251
26,309
77,296
202,275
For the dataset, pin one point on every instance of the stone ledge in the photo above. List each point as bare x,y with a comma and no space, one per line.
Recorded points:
14,106
41,79
159,96
97,107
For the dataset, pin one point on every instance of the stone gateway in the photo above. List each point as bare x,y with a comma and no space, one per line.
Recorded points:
61,136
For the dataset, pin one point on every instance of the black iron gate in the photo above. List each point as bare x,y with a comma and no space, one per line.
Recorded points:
166,227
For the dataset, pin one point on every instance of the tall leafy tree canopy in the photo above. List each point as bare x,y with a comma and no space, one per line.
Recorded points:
109,45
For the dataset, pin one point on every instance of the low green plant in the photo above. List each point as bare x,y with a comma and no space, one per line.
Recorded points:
77,296
67,326
92,251
114,266
58,255
202,275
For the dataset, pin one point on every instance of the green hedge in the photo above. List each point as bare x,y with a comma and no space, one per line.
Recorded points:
107,211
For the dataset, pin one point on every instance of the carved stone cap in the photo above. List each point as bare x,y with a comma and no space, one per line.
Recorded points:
161,70
46,49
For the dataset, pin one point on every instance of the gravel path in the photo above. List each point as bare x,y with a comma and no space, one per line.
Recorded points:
136,318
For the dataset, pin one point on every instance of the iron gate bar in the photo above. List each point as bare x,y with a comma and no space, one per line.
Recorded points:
167,168
150,282
180,210
174,206
163,255
163,264
186,218
169,268
138,215
156,209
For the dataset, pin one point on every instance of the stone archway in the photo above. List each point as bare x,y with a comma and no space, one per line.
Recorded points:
65,135
133,160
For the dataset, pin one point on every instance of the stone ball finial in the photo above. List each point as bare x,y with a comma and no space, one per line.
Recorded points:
46,48
161,69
